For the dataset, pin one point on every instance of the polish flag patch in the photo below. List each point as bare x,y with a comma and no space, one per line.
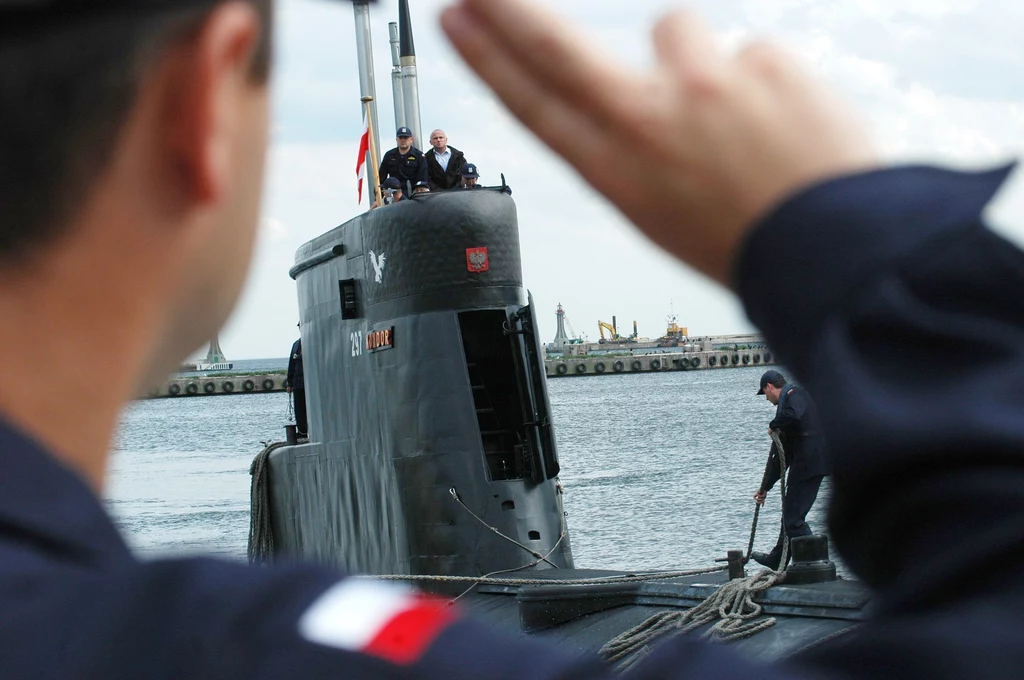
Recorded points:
381,619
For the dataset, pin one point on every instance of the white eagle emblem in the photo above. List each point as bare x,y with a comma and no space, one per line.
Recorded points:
477,260
378,265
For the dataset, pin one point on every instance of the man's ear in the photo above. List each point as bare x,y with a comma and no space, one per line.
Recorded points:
207,81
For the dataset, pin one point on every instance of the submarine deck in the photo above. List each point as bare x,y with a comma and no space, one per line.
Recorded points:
580,619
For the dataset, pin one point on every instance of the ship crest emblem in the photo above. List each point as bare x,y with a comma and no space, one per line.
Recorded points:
477,260
378,266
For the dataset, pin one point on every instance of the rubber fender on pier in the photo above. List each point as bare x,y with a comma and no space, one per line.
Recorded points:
712,360
561,369
746,358
581,368
191,388
655,364
735,359
767,357
724,361
228,386
757,357
694,362
248,386
210,388
684,363
268,384
599,367
636,365
174,389
618,366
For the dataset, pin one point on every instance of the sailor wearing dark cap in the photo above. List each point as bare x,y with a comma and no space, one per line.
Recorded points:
405,161
796,422
392,189
469,176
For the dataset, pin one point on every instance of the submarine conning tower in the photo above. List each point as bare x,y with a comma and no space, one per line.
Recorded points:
431,449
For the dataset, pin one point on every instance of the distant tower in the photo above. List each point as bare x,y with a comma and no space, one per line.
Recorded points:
216,354
561,339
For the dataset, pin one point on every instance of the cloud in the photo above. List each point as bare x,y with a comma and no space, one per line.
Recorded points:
935,81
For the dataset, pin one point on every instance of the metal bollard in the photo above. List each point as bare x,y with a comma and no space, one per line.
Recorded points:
736,562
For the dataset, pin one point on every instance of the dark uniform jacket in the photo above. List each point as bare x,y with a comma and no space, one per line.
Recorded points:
411,166
296,375
441,179
897,309
796,420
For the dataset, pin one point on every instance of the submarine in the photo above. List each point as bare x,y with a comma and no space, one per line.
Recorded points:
431,454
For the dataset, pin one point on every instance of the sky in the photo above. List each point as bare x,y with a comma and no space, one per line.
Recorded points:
935,81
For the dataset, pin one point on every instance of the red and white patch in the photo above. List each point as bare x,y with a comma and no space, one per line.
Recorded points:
477,260
383,620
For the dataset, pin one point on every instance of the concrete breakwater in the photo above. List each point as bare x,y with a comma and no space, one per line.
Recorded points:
219,385
575,366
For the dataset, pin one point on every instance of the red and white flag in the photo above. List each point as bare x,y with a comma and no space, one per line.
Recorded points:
364,147
380,619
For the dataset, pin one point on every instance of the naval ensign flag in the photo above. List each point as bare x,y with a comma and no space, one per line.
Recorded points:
364,147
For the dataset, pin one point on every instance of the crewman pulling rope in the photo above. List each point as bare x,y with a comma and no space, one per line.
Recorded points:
732,605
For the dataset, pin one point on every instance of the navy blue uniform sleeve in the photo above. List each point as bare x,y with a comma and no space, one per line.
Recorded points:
205,619
901,313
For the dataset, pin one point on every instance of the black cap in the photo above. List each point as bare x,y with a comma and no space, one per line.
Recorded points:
469,171
391,183
403,132
770,376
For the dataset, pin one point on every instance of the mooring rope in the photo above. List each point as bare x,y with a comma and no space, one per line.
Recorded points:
599,580
732,606
261,533
508,571
532,552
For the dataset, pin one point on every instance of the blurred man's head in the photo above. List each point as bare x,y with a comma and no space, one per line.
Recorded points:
132,146
404,139
439,140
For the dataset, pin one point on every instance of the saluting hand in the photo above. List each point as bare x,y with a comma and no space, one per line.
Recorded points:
746,129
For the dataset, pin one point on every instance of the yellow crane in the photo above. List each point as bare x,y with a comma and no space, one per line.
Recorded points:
613,332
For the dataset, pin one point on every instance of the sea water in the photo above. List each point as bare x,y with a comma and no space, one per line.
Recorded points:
659,469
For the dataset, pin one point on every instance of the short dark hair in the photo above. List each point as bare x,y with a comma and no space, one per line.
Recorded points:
65,93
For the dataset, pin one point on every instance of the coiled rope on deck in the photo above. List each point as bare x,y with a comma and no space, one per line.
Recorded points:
261,532
731,607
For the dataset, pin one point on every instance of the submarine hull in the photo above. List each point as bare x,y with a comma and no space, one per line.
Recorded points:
432,457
